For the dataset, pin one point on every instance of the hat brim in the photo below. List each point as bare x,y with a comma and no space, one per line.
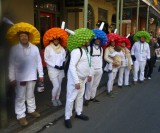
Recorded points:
12,33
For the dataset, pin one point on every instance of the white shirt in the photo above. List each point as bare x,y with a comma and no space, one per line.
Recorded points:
79,65
24,63
141,51
96,57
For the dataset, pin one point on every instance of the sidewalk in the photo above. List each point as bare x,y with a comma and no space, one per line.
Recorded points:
44,106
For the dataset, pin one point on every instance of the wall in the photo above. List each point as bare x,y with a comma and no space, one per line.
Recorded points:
18,10
104,5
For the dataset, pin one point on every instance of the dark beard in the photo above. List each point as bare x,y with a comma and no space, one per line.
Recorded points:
141,41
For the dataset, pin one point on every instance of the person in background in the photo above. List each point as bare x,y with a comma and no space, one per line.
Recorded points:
24,63
150,64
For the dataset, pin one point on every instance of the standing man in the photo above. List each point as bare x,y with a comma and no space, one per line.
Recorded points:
96,53
24,63
140,54
79,73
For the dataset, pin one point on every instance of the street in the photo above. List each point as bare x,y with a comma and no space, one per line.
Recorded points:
134,109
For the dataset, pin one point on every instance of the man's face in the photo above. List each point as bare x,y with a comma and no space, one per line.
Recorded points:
142,39
123,44
154,40
56,42
112,43
23,38
97,41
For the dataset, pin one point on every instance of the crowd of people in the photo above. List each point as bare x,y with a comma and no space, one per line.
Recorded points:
85,51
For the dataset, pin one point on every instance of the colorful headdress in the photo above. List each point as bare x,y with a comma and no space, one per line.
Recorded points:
99,34
140,34
122,39
79,38
12,34
54,33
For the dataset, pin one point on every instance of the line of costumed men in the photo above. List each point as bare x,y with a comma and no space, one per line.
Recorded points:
87,49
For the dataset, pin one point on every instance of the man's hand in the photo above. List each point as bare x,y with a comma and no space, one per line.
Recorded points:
13,83
41,79
77,86
89,78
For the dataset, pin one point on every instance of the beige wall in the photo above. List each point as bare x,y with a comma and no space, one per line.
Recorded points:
95,5
104,5
18,10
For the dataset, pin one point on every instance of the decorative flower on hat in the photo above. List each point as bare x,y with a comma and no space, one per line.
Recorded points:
144,34
80,38
122,39
99,34
12,33
53,33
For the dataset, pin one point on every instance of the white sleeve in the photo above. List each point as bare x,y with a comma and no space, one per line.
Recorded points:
12,65
39,64
47,57
133,49
75,56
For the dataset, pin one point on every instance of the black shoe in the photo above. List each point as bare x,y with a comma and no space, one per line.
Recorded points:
119,86
128,85
95,100
110,94
86,103
82,117
68,123
141,81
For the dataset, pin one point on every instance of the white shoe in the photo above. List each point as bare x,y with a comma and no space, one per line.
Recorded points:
149,77
59,102
55,103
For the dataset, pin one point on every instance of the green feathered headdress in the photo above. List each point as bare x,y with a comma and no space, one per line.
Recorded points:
80,37
144,34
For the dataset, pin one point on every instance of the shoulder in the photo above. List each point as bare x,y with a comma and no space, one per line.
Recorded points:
76,51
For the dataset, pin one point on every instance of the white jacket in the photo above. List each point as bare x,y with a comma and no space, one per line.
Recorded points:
79,67
24,63
52,58
141,51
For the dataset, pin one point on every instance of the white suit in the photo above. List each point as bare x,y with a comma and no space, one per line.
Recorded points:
78,72
142,52
125,67
96,62
52,58
23,66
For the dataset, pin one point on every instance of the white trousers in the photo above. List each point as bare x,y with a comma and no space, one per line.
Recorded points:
91,87
123,75
139,65
24,93
111,78
56,82
74,95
